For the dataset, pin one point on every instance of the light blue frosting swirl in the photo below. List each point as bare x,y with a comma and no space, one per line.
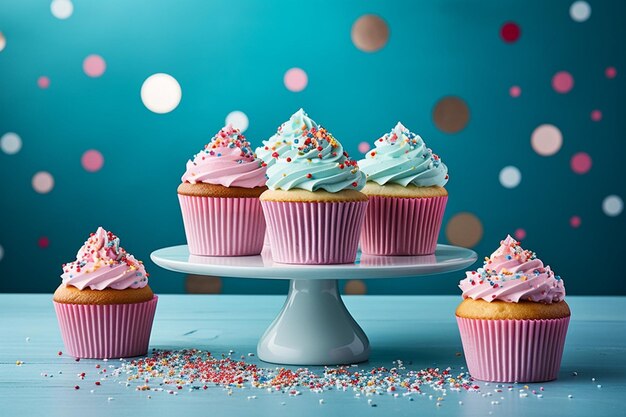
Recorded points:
276,146
314,161
401,157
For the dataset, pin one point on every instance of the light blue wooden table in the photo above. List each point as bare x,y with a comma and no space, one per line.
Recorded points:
421,331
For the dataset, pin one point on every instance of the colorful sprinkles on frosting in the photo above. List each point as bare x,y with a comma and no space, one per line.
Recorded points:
513,270
230,137
102,249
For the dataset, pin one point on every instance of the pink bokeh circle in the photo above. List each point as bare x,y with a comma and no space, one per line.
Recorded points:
596,115
581,163
364,147
515,91
43,182
520,234
94,66
575,222
562,82
546,140
610,72
43,242
43,82
92,160
296,79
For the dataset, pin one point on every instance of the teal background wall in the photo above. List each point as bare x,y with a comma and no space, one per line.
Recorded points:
232,55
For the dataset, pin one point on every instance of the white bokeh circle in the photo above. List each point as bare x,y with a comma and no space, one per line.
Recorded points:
161,93
510,176
43,182
238,119
612,205
61,9
3,41
580,11
546,140
10,143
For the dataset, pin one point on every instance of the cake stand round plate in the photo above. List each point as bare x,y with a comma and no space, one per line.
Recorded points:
314,327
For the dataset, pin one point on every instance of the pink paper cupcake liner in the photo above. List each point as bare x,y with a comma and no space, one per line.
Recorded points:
513,350
314,232
402,226
106,331
223,226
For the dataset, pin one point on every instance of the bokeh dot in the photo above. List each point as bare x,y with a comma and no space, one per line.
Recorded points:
10,143
520,234
562,82
451,114
295,79
355,287
464,229
43,182
370,33
364,147
580,11
3,41
161,93
238,119
510,176
612,205
596,115
510,32
43,242
610,72
581,163
92,160
1,252
61,9
94,66
515,91
43,82
202,284
546,140
575,222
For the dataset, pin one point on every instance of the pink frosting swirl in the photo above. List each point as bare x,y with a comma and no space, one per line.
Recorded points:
227,160
513,274
102,263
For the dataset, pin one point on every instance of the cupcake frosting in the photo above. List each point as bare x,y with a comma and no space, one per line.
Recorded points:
227,160
314,161
513,274
401,157
281,142
102,263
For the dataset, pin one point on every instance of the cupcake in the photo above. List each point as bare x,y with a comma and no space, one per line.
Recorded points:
313,208
406,196
513,318
104,304
219,198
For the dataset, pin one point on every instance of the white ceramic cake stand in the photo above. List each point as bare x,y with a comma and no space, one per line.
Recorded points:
314,327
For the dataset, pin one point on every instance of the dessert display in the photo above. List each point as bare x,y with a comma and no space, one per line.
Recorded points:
313,207
513,319
219,198
407,200
104,304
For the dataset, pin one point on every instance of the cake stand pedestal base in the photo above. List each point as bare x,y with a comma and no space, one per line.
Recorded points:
314,328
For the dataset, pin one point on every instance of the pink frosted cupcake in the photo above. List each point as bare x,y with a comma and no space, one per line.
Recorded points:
513,319
104,304
313,208
219,198
406,196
